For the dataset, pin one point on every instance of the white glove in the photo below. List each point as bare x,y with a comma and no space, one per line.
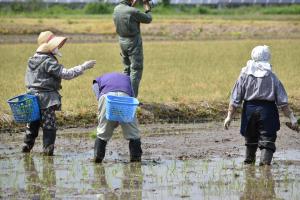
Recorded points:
88,64
293,120
231,111
227,122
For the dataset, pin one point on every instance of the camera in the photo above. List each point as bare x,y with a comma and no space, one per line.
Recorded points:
152,3
149,4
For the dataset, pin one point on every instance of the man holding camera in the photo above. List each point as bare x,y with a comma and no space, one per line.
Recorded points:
127,21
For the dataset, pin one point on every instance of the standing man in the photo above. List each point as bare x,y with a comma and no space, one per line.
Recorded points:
127,20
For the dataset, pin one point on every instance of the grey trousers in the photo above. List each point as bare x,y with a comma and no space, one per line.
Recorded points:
133,60
106,128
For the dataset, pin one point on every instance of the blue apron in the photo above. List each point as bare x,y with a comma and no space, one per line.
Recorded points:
268,115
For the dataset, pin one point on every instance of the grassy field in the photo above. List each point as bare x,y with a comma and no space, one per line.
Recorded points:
184,72
191,61
38,9
160,26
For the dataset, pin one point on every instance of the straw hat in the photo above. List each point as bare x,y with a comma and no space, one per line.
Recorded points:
48,42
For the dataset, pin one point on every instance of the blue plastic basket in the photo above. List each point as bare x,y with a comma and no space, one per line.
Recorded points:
25,108
120,108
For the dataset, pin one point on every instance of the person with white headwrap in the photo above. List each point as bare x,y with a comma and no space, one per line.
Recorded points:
261,92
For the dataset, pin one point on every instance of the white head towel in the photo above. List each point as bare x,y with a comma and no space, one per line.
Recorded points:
259,65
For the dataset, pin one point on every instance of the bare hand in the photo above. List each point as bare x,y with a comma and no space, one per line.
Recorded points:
146,5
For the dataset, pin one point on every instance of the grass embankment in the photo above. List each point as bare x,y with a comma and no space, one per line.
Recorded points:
192,78
15,30
39,9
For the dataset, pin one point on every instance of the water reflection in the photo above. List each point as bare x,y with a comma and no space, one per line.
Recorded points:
40,187
123,182
132,181
101,183
259,185
72,177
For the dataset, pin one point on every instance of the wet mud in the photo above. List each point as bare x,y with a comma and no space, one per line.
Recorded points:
180,161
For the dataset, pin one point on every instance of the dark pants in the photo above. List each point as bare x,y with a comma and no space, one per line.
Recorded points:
48,124
262,143
257,136
259,126
260,123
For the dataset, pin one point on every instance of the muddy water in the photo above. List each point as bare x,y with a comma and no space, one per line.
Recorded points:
71,174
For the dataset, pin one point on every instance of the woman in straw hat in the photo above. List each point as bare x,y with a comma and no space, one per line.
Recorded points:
262,92
43,78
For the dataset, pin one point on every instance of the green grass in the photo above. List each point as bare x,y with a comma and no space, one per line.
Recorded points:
183,72
93,134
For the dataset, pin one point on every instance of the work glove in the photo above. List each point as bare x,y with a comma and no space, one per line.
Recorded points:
231,111
88,64
293,119
227,122
293,124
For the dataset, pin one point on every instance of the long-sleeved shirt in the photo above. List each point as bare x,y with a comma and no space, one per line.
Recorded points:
127,19
112,82
43,78
249,87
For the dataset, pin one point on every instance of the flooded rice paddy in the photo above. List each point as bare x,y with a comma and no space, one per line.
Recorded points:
71,174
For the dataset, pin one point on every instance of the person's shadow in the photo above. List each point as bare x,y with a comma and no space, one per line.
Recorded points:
37,187
131,184
259,185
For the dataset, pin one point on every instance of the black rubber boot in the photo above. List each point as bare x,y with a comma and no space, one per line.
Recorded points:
135,150
250,155
99,150
32,131
266,157
49,136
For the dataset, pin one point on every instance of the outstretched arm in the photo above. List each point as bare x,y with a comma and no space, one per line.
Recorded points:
68,74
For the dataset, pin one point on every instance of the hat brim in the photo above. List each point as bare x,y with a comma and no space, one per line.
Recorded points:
56,42
43,48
